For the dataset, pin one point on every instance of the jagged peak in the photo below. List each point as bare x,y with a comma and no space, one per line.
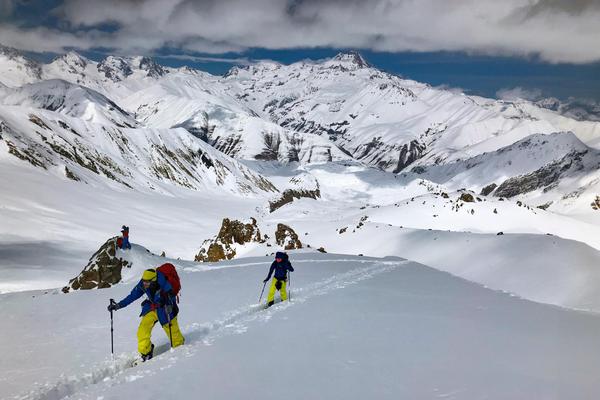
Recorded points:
352,57
73,58
116,67
148,64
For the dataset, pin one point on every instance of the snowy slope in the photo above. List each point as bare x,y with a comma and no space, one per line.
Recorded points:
556,171
17,69
356,327
134,157
69,99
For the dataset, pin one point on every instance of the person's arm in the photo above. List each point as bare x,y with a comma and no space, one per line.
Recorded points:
165,289
135,294
270,272
289,267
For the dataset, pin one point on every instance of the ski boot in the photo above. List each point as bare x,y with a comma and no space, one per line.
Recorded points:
146,357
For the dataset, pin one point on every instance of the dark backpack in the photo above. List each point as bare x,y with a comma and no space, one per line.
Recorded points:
169,271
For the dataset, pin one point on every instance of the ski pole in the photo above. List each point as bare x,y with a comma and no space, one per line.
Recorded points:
112,342
261,292
169,319
289,286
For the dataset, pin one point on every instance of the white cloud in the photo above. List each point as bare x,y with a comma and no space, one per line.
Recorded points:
518,92
555,30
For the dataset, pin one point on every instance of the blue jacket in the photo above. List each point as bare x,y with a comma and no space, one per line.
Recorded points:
159,294
281,268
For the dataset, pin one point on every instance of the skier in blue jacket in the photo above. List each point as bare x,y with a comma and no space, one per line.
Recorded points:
160,305
280,266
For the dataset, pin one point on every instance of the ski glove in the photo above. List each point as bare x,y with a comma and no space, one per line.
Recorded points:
113,307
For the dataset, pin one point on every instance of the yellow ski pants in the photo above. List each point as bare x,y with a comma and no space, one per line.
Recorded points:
273,289
145,331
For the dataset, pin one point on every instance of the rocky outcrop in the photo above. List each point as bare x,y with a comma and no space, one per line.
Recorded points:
546,177
234,233
596,203
289,195
102,271
231,232
287,238
409,153
488,189
467,197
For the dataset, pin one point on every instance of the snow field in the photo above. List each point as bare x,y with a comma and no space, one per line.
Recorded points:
356,327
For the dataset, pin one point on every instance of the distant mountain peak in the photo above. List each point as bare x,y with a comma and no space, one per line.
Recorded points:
33,67
74,59
154,69
352,57
115,68
118,68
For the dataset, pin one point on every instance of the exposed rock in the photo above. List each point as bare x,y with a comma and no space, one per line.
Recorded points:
102,271
544,206
546,177
163,254
290,194
69,174
409,153
321,249
287,238
232,232
596,203
488,189
499,233
362,221
467,198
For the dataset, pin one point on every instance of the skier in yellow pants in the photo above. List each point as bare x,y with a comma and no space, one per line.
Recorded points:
160,306
281,266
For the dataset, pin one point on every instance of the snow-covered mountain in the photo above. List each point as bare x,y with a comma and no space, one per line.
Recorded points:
582,110
371,167
70,99
93,138
131,122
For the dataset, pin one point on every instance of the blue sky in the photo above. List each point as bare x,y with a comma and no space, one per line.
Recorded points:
543,47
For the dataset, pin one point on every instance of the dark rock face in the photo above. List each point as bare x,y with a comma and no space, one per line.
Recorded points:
409,153
114,68
546,177
272,143
232,231
287,238
289,195
488,189
154,70
102,271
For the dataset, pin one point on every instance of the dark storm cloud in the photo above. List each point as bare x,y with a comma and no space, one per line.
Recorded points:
556,31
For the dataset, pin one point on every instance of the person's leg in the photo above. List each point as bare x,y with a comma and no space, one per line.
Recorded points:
145,331
272,290
283,291
177,338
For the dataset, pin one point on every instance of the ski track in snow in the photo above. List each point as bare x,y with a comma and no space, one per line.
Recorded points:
197,335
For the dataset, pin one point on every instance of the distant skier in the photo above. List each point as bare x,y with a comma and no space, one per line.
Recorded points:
281,266
160,305
125,239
